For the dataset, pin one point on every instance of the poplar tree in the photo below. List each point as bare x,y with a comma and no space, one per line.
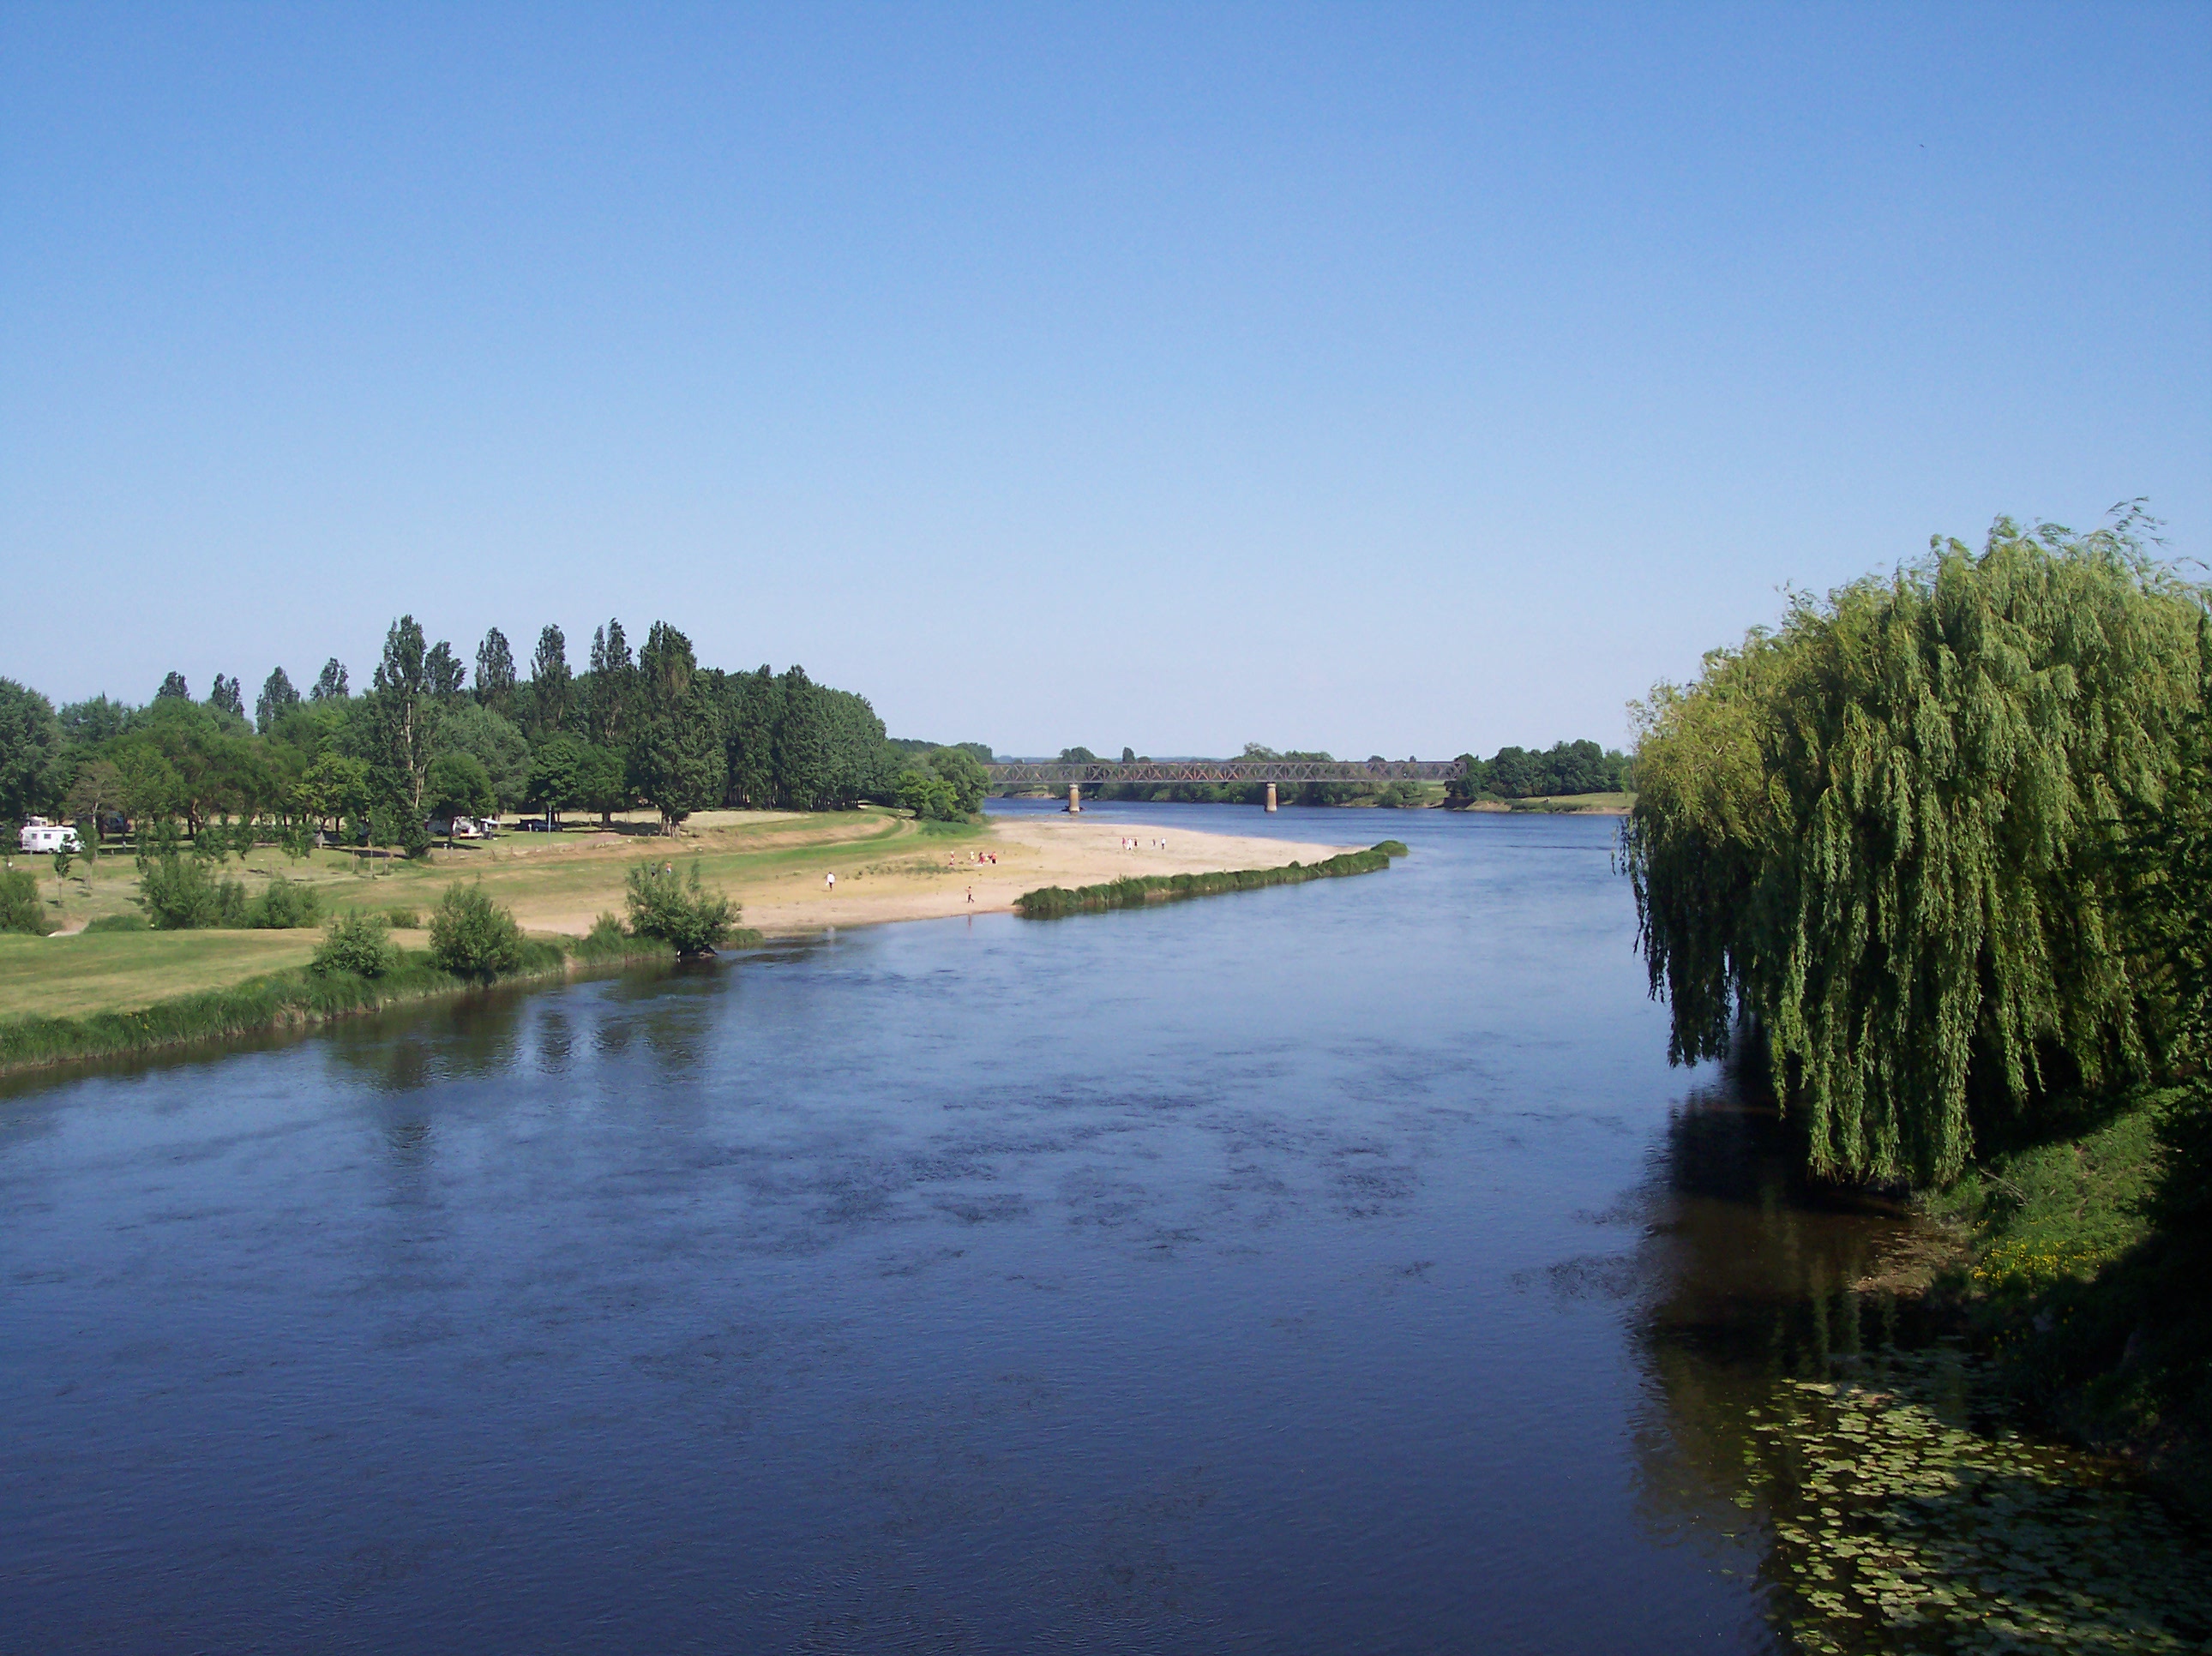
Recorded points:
448,677
173,689
754,701
611,685
331,682
1882,838
407,709
276,695
549,683
496,674
676,760
802,744
227,697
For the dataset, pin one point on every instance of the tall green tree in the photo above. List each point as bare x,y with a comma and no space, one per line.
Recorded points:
496,674
802,744
676,750
449,677
549,683
611,689
276,697
754,703
173,689
228,697
30,752
406,708
331,682
1882,836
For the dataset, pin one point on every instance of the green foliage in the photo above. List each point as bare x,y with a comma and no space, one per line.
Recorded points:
472,936
676,759
551,683
457,784
117,923
606,940
486,735
404,920
285,905
185,894
802,744
21,910
928,795
1051,902
1564,769
277,698
31,756
679,911
356,943
1882,834
1393,848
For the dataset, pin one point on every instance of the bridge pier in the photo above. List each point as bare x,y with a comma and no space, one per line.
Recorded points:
1075,796
1271,796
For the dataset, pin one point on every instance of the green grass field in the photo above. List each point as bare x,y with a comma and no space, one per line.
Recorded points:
125,971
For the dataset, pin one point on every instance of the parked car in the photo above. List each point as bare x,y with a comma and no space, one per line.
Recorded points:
457,828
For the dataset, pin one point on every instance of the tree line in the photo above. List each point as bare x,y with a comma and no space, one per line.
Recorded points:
653,728
1567,767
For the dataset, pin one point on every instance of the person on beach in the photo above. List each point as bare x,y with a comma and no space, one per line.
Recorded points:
971,893
828,882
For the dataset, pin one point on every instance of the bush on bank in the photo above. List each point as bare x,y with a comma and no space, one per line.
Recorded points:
20,907
679,911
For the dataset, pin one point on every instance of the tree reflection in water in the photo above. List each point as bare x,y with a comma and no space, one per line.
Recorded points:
1900,1507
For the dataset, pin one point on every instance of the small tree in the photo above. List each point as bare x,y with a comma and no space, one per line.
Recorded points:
356,943
679,911
473,936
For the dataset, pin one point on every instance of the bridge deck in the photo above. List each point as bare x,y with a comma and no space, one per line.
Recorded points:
1092,772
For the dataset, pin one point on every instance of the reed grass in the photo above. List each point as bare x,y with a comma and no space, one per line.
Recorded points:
1140,891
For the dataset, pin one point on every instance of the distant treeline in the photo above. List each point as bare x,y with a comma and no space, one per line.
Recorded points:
1566,767
654,728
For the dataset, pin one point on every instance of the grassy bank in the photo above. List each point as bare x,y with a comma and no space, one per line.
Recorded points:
2095,1317
295,997
1139,891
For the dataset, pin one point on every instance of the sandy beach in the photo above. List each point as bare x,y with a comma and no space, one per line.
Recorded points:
885,870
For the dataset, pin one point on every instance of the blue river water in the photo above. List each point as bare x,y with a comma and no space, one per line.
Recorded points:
1328,1268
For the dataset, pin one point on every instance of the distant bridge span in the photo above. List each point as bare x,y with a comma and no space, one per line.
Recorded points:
1075,776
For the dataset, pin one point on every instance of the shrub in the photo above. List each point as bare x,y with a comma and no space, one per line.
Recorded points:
356,943
605,938
20,907
184,895
472,936
402,920
680,913
119,923
285,905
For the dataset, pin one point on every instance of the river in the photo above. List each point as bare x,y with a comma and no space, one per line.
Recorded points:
1328,1268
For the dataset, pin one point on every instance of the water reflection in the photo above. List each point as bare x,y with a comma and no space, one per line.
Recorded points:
1898,1506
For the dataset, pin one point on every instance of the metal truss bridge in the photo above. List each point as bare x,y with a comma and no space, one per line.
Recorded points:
1075,776
1091,773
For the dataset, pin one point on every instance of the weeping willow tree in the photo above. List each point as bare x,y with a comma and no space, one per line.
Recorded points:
1879,836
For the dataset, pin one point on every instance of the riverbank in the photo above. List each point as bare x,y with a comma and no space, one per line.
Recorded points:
777,865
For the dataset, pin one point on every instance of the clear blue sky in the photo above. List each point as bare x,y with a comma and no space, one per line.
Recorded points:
1380,379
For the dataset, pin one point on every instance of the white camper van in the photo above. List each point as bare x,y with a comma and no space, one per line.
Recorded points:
39,835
